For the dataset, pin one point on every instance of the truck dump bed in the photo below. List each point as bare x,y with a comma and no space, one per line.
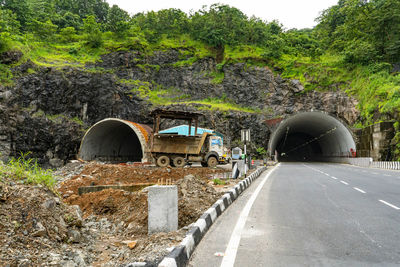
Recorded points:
178,144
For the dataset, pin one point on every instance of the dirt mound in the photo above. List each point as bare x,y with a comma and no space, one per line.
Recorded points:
117,215
195,194
106,174
130,208
34,223
195,197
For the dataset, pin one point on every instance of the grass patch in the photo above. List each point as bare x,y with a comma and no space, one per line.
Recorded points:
185,45
154,93
217,181
244,53
321,75
27,170
57,118
59,55
6,76
221,104
218,77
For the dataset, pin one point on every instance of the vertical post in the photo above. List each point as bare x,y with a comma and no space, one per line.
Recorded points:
157,128
196,124
190,126
245,159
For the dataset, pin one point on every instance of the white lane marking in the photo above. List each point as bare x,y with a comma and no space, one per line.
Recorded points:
390,205
333,177
359,190
375,173
231,250
343,182
388,175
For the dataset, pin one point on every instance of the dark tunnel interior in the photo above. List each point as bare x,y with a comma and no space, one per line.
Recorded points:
294,148
113,141
311,136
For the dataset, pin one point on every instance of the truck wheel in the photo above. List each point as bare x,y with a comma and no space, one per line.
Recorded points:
212,162
163,161
179,162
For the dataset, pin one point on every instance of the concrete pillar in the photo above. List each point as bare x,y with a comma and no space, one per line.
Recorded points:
162,208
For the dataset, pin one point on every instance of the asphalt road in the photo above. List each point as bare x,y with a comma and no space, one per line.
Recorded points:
309,214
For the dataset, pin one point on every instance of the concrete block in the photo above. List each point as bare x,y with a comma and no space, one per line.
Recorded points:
162,208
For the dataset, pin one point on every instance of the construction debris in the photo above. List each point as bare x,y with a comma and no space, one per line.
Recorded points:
39,227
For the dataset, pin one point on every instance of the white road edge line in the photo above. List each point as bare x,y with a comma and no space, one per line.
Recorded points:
359,190
343,182
233,245
390,205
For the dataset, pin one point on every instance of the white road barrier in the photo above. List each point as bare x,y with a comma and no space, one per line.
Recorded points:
367,162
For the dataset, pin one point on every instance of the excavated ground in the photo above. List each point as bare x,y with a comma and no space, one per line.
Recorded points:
107,228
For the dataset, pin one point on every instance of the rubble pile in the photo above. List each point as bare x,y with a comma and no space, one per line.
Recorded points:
39,227
36,228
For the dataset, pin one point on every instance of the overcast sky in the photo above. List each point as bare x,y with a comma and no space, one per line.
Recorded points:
291,13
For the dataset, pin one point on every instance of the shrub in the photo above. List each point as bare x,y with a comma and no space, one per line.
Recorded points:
94,37
5,41
68,34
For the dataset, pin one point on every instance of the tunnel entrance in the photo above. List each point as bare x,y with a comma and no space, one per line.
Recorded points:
311,136
115,140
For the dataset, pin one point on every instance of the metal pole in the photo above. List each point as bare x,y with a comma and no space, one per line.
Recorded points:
245,160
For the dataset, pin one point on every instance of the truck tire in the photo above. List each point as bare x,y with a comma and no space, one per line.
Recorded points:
179,162
212,162
163,161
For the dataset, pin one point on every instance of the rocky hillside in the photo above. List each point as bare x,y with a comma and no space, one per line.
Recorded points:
47,109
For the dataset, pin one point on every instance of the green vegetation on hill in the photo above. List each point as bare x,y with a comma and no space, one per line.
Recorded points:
355,46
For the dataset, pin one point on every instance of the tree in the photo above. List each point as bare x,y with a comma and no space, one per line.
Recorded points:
44,30
9,22
171,22
9,25
100,10
68,19
42,10
83,8
302,42
20,8
94,37
256,31
365,31
219,26
117,21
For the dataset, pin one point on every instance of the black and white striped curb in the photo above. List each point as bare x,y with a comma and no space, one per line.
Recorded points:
180,255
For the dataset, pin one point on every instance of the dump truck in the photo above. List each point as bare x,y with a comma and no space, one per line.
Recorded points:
176,149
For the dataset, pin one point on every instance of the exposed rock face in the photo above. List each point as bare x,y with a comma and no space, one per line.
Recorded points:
50,140
40,113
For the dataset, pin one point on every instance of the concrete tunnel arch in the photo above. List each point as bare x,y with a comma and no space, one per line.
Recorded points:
314,136
115,140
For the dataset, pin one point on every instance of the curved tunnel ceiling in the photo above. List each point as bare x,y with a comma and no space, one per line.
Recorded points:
311,136
115,140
